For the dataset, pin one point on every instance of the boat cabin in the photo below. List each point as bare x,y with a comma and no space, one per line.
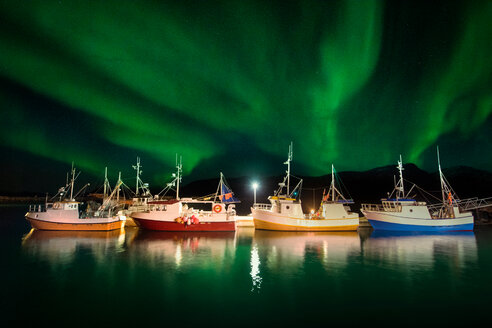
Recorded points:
337,210
67,206
165,205
286,206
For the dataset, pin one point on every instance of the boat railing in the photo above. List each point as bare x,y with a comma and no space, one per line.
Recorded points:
38,207
387,207
474,203
372,207
266,207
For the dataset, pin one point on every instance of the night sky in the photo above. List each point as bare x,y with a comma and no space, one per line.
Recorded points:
229,84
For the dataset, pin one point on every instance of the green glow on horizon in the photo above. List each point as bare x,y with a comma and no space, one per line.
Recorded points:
157,78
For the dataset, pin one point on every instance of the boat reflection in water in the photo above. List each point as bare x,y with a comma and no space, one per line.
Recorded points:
421,250
61,247
287,254
183,249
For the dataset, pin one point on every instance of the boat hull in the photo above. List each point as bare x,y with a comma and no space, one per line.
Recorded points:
265,220
160,225
75,226
382,221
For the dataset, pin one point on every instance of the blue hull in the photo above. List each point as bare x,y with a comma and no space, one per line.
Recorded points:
388,234
380,225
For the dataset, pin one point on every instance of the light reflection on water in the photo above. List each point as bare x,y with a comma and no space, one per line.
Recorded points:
288,254
182,250
285,253
412,251
61,247
255,269
262,271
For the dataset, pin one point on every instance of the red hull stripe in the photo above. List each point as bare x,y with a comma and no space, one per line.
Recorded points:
175,226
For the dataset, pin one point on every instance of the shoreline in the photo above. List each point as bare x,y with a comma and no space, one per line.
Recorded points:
22,200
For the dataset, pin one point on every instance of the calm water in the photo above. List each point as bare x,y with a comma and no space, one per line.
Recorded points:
248,278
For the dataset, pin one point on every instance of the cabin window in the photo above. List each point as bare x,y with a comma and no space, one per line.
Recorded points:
287,207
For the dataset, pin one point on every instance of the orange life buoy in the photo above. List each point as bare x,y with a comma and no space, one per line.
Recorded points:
217,208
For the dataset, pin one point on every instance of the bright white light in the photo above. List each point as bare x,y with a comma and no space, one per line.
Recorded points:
255,185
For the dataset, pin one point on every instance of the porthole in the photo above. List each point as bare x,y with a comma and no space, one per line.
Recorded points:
287,207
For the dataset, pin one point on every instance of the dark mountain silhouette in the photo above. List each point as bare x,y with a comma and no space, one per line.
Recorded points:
363,187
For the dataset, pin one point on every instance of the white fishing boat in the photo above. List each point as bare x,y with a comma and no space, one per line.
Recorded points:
335,209
285,210
399,212
284,213
65,214
140,198
207,213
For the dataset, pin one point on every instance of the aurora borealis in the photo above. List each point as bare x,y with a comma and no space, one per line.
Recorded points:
228,85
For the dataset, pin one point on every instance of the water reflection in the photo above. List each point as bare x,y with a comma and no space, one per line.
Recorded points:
61,247
416,251
288,253
183,249
255,269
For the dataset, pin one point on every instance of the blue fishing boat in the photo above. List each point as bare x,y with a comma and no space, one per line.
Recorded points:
399,212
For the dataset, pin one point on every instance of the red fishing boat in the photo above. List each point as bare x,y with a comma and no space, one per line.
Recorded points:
215,212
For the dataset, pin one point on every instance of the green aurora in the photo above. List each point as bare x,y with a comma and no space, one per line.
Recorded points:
229,84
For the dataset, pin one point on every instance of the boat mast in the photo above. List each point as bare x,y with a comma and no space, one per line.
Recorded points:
72,183
179,167
441,177
219,188
137,167
332,187
400,187
289,159
105,182
118,191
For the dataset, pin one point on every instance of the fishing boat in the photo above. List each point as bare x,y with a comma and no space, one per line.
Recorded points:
210,213
65,214
400,212
285,210
334,210
284,213
141,196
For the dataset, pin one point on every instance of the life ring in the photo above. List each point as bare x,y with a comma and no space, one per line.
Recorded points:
217,208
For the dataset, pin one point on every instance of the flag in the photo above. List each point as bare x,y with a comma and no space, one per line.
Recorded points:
227,195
